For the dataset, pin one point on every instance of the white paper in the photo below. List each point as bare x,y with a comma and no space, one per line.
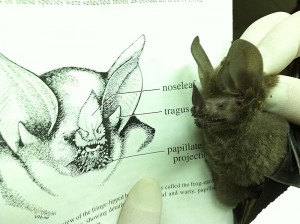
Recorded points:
149,40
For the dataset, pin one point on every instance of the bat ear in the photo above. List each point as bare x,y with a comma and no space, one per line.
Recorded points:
124,85
24,98
205,68
241,72
25,136
129,58
115,117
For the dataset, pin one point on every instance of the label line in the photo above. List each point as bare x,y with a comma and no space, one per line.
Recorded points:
143,154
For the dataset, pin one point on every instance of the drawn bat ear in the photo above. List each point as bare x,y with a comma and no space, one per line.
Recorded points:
124,84
205,68
241,72
26,137
27,99
115,117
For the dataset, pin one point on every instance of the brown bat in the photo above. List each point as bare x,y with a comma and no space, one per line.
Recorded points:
243,144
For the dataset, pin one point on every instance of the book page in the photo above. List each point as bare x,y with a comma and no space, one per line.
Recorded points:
95,95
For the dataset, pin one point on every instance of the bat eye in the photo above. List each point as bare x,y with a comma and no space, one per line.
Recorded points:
69,138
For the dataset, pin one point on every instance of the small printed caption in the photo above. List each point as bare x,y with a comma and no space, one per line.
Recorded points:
187,188
94,214
92,2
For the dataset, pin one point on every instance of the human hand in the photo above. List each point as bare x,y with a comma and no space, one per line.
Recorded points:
277,36
143,204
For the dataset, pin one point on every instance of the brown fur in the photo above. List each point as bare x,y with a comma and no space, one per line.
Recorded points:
240,158
243,143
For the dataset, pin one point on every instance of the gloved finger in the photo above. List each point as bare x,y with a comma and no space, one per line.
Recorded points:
143,204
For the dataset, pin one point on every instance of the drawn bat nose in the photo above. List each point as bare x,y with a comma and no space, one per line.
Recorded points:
90,136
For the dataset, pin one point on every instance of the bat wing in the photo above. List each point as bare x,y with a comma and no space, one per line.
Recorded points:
289,171
24,98
124,84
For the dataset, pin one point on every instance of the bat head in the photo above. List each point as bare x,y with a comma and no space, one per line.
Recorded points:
231,93
83,138
73,119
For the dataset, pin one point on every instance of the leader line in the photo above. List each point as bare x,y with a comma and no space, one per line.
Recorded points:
142,154
145,90
139,91
154,112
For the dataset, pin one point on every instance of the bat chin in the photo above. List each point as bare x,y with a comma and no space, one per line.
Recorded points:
72,159
91,157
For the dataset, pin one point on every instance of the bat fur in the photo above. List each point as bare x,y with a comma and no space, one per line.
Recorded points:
243,143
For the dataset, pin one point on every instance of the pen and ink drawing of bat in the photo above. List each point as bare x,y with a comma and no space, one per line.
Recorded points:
75,120
244,145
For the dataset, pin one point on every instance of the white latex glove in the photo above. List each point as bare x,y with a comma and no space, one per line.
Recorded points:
143,204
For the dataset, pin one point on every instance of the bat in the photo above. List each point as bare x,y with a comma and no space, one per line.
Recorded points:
74,120
243,144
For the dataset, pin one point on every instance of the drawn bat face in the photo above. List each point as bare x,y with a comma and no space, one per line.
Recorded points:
83,138
232,92
70,118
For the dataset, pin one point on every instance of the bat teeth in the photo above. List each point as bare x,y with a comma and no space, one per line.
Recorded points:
95,142
212,119
92,143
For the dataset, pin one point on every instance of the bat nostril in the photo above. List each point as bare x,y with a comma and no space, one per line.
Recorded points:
220,105
83,133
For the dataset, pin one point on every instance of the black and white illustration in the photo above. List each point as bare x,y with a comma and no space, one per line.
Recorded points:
74,120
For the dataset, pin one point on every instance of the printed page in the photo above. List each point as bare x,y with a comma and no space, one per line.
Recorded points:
95,95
